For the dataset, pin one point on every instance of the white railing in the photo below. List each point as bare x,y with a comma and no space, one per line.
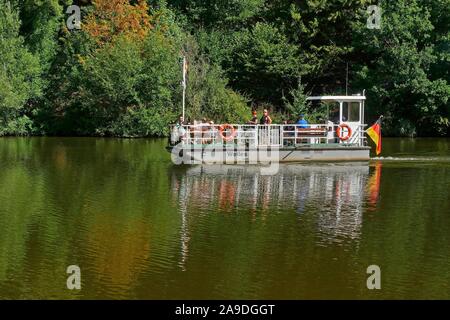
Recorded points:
287,135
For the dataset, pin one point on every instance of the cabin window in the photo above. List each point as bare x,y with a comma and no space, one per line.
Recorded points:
333,111
350,111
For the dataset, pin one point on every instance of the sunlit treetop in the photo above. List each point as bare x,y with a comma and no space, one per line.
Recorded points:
112,18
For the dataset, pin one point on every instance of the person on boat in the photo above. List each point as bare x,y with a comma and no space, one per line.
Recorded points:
254,119
180,122
335,116
209,131
181,132
289,132
203,129
266,119
302,123
204,124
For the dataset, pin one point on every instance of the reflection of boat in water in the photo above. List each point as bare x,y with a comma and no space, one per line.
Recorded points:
333,196
340,138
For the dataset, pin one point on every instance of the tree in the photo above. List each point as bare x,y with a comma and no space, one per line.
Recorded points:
113,18
207,93
19,75
263,63
396,67
121,75
41,21
220,14
265,51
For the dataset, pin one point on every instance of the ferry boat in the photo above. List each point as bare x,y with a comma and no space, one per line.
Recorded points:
340,138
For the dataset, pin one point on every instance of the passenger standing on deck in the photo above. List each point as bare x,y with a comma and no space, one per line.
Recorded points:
180,122
254,119
181,132
266,119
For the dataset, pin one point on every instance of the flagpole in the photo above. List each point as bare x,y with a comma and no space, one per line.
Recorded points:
346,81
184,88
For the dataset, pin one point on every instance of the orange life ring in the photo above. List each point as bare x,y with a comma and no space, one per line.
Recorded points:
339,131
225,137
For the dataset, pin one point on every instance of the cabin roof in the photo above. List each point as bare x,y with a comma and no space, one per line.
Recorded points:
337,98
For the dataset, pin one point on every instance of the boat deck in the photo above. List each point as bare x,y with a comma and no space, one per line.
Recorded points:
281,143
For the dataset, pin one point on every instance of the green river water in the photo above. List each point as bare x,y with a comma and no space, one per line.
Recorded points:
140,227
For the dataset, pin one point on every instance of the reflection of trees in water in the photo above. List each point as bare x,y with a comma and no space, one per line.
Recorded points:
334,194
120,252
77,201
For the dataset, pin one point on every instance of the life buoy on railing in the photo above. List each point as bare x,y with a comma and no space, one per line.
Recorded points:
224,136
344,132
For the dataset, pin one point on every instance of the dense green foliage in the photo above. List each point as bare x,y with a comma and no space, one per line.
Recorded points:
120,74
20,81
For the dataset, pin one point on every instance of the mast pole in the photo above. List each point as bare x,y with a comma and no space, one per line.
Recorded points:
184,88
346,81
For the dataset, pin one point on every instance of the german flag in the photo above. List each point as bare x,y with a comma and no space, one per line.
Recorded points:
374,133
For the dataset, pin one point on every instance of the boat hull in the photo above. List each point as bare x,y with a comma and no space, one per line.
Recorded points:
192,155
